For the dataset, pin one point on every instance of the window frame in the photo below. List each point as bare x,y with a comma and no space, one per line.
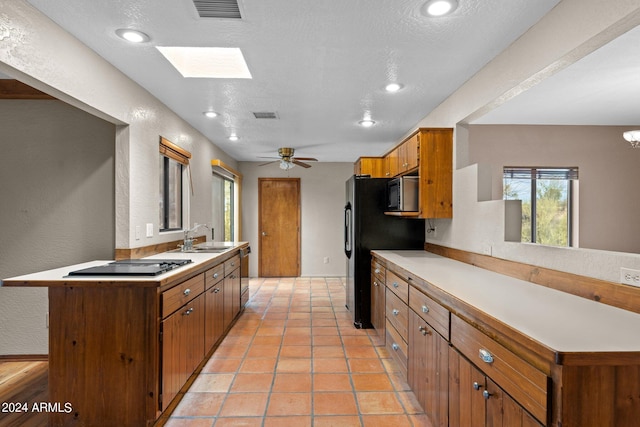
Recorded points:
171,154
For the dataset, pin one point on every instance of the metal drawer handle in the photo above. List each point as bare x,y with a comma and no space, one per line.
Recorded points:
395,284
396,312
377,271
188,312
425,309
424,330
216,290
485,356
187,292
395,346
375,283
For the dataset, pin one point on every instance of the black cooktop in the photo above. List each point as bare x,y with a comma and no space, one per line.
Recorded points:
132,267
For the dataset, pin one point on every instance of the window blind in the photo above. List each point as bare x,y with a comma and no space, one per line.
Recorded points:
570,173
169,149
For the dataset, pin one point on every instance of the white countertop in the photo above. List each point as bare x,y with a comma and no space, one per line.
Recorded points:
62,274
558,320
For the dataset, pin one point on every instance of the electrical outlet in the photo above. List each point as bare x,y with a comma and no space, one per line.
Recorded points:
326,260
149,230
629,276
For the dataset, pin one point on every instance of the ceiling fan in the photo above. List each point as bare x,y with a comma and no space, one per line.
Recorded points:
287,161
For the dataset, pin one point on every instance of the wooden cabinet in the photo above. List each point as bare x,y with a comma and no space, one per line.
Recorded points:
374,166
231,292
392,160
436,173
476,401
214,306
408,154
378,300
183,337
427,369
397,319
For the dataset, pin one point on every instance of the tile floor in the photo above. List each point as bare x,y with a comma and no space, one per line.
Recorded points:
293,358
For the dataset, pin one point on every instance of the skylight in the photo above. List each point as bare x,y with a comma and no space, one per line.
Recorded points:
207,62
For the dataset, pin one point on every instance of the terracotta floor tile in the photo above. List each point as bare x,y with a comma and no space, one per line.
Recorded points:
330,365
324,330
262,351
262,331
365,365
324,322
305,332
300,365
322,340
334,404
295,351
291,383
289,404
300,316
239,422
217,365
371,382
296,340
231,350
421,420
386,421
357,341
379,403
252,382
199,404
360,352
212,383
298,323
258,365
410,403
189,422
297,421
331,382
267,340
244,405
336,421
328,351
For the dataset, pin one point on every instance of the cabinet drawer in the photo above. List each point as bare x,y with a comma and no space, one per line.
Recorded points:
398,285
214,275
231,264
527,385
397,347
179,295
397,313
431,312
378,272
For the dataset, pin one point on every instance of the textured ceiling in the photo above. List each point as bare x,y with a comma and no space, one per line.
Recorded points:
320,64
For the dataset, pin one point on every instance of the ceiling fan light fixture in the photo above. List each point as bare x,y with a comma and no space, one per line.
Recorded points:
133,36
284,165
633,137
436,8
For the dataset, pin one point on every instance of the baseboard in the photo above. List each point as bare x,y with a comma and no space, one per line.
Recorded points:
24,357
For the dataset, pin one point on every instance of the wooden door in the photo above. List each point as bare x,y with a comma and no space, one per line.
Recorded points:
503,411
467,407
279,227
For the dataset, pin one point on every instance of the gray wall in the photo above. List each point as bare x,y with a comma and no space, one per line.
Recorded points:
57,206
322,203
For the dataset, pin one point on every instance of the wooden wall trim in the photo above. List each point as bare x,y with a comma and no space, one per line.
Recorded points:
24,358
14,89
135,253
610,293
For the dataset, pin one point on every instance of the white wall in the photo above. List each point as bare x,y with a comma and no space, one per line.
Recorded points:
573,29
322,204
56,206
37,52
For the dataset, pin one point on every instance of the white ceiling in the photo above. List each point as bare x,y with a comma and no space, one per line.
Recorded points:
320,64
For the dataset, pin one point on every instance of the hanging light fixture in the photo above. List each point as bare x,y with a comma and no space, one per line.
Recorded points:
633,137
284,165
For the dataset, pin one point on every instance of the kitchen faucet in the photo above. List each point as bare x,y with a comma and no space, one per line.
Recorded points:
187,244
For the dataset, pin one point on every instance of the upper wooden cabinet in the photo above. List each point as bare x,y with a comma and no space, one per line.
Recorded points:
428,152
374,166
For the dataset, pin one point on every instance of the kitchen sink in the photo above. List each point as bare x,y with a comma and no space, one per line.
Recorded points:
209,248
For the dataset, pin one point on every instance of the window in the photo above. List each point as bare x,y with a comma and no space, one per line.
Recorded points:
173,159
547,202
223,211
228,210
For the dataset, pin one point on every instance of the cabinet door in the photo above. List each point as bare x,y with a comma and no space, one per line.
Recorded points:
467,406
378,305
503,411
192,331
171,349
231,297
427,369
214,315
408,154
392,159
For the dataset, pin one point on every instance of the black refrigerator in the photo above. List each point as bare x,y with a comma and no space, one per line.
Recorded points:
366,228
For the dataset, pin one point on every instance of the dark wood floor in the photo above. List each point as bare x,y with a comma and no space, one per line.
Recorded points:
23,382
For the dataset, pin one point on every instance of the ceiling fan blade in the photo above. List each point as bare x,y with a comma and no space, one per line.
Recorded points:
268,163
304,165
309,159
270,157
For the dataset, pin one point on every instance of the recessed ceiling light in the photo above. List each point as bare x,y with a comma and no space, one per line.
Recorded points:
207,62
439,7
366,123
210,114
233,138
133,36
393,87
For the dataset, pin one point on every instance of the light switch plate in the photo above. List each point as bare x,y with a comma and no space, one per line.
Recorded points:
149,230
629,276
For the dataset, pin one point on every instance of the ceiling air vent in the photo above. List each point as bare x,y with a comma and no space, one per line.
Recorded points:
265,115
218,8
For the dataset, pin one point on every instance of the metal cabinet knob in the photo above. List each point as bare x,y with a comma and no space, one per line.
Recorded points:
395,311
264,233
375,283
216,290
424,330
485,356
395,346
188,312
215,275
186,292
425,309
476,385
486,395
395,284
377,271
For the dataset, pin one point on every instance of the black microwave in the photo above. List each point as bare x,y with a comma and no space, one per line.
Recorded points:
402,194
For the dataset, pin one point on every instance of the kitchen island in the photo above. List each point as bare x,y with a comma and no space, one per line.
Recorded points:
122,347
483,348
